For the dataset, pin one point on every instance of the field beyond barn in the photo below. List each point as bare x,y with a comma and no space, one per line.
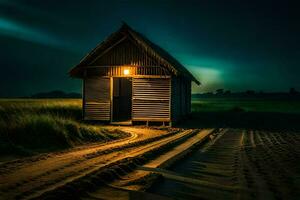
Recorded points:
245,104
256,113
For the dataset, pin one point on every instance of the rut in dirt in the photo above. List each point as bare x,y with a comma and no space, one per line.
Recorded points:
239,164
39,176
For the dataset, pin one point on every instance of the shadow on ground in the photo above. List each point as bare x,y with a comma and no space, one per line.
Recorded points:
253,120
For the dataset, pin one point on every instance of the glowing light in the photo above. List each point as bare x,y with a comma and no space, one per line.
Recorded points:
126,72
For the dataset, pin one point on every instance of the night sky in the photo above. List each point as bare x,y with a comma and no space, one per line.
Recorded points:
236,45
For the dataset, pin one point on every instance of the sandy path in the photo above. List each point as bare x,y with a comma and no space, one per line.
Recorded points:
273,167
237,164
56,179
25,176
242,164
128,181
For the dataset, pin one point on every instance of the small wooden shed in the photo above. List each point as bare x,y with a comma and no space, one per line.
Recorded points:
129,78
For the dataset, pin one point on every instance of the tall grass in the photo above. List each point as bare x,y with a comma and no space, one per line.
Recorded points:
68,108
31,126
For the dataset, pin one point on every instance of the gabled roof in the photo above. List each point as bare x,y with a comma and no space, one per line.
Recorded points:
168,60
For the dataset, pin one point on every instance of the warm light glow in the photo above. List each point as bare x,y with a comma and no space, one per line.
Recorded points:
126,71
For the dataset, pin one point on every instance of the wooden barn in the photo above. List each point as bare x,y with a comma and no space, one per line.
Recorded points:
127,78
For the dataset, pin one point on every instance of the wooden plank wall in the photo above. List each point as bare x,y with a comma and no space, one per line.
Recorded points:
119,70
189,96
181,98
151,99
175,99
126,53
97,99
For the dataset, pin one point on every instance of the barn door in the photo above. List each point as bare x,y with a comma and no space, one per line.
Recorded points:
122,98
151,99
97,99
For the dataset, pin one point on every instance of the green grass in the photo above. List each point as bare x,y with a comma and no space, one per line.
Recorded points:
245,104
68,108
30,126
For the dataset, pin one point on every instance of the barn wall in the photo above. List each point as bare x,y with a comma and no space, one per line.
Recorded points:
186,96
181,98
189,96
175,99
151,99
96,99
125,55
119,70
126,52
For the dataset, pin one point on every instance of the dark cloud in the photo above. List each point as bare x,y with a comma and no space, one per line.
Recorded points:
235,45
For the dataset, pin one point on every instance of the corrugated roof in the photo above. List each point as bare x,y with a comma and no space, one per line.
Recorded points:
149,46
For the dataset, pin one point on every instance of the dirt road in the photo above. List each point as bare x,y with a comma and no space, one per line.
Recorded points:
235,164
240,164
32,175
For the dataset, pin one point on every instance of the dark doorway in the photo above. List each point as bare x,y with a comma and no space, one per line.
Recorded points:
122,95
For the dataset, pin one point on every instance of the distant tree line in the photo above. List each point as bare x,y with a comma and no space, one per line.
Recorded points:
292,93
56,94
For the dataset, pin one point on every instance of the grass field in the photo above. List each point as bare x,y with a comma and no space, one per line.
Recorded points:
254,113
29,126
245,104
36,125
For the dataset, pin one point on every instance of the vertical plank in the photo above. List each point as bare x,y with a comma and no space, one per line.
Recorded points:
170,100
111,98
83,98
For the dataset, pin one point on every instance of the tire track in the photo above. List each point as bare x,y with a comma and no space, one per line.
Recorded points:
114,169
88,163
66,165
255,164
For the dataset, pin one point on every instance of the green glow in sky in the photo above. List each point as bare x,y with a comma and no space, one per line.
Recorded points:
23,32
212,72
210,78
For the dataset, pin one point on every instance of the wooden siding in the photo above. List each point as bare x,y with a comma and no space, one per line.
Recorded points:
126,52
189,96
151,99
181,98
175,99
128,47
97,99
119,70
